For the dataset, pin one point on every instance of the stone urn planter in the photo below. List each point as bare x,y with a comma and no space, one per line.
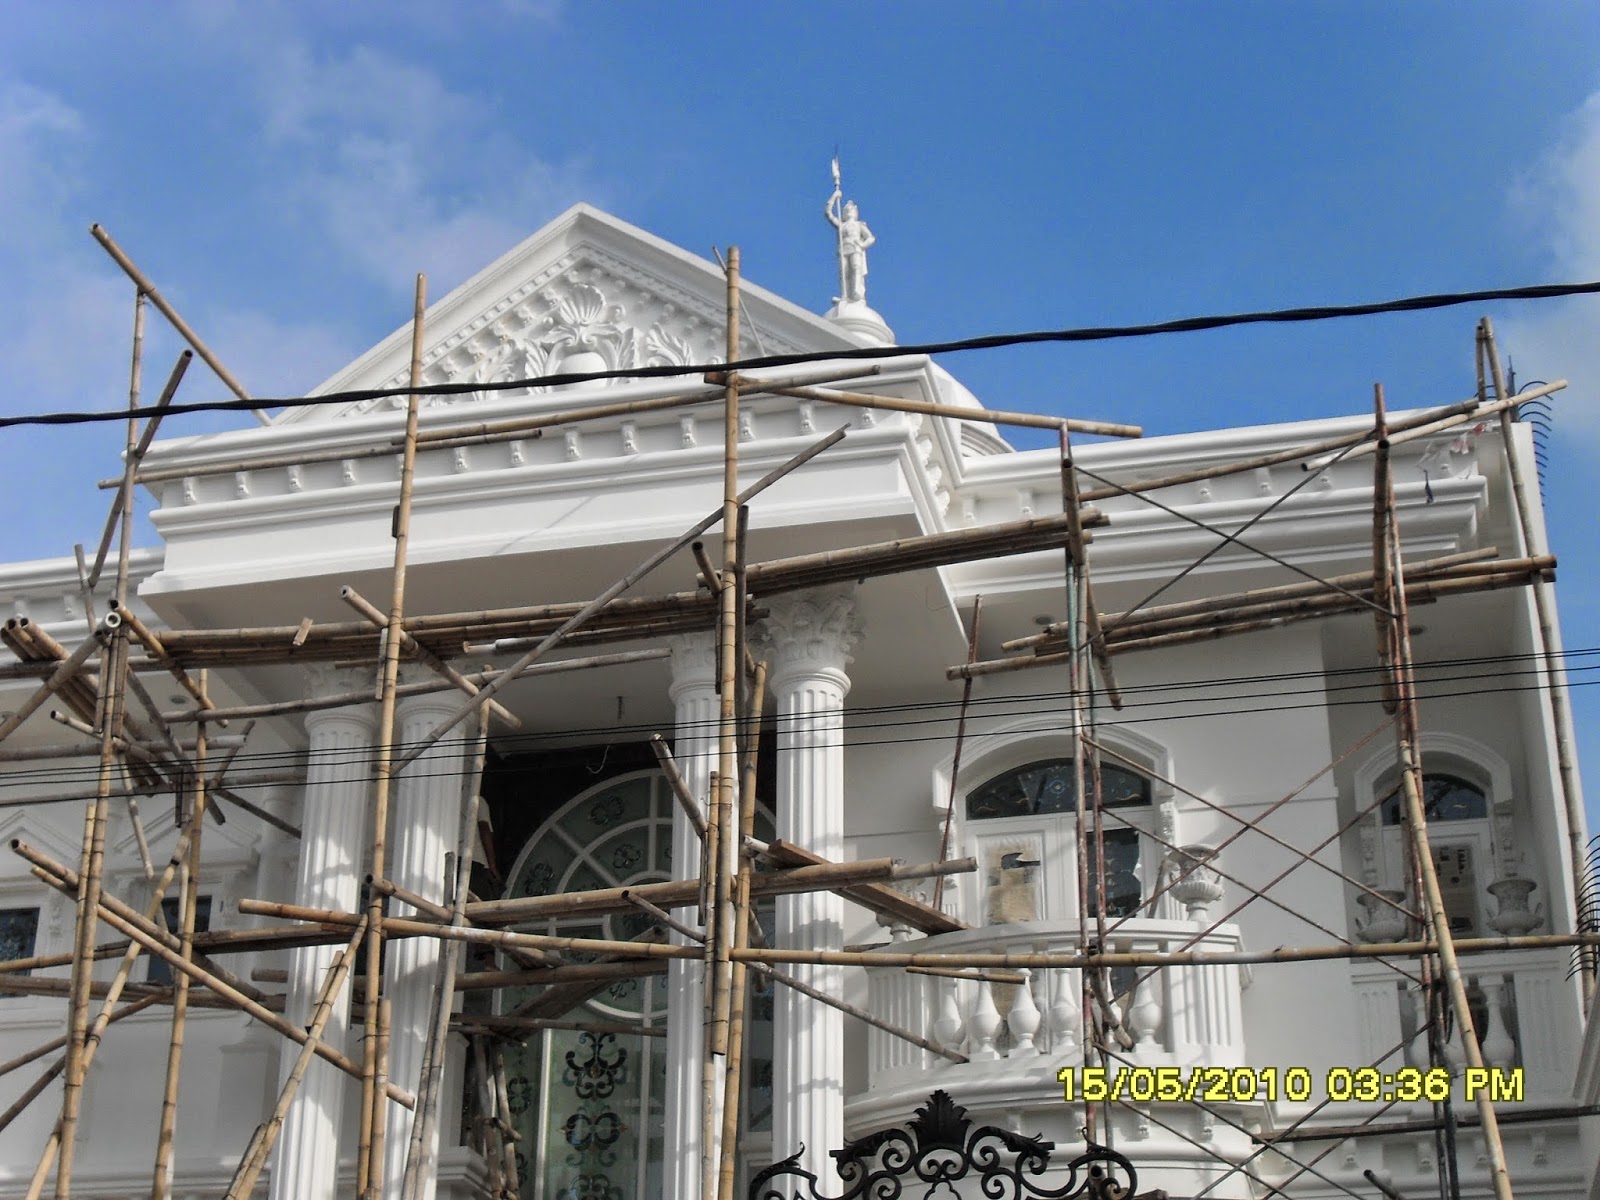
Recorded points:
1196,884
1383,923
1515,918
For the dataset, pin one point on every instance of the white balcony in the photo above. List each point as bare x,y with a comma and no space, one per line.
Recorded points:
1183,1016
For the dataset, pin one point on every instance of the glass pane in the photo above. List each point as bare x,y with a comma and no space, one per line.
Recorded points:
159,971
19,932
1444,798
624,803
592,1136
1047,787
1123,890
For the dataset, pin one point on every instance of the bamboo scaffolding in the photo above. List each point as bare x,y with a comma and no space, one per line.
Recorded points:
1270,615
1549,643
422,1151
750,728
374,1114
142,282
266,1134
474,434
594,606
427,657
136,451
420,688
113,664
680,789
1484,409
954,412
189,890
112,991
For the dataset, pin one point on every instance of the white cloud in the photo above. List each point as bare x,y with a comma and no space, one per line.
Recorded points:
399,170
1559,198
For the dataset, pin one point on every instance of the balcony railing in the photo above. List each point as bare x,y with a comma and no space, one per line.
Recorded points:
1521,1006
1175,1016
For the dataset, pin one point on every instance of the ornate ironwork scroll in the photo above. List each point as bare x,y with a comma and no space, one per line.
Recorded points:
941,1150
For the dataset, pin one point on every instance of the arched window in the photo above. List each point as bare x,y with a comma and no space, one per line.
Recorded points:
1038,804
590,1103
1444,798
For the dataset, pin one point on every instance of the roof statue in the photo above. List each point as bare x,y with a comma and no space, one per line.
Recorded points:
850,306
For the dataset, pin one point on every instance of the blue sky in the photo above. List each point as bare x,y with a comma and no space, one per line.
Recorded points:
282,171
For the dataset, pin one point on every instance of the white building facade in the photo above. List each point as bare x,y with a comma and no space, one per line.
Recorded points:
857,763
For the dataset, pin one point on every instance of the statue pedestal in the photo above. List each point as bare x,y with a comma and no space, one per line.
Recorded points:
859,317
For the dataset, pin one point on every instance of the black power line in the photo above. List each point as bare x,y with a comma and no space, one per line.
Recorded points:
1097,333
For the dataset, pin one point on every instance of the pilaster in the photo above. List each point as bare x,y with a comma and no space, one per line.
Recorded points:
810,637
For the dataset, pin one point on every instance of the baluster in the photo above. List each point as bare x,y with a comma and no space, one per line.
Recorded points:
1454,1056
1498,1048
1144,1011
985,1023
1417,1047
948,1029
1064,1014
1023,1019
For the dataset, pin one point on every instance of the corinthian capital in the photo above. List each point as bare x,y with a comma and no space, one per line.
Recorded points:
694,661
812,631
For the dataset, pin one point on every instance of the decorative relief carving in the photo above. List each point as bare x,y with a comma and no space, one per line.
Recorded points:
581,315
814,630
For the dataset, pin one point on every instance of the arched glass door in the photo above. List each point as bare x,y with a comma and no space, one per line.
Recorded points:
589,1103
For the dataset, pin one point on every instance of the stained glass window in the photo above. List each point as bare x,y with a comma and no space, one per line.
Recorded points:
591,1103
159,971
1047,787
19,932
1444,798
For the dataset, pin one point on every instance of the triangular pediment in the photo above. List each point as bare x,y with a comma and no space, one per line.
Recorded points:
588,292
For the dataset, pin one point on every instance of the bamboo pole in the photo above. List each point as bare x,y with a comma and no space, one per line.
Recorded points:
509,1134
189,889
961,738
420,688
142,282
114,664
427,657
266,1134
1549,647
454,437
679,787
140,932
733,1072
64,673
1451,421
112,992
952,411
369,1161
58,1043
1438,921
157,650
616,589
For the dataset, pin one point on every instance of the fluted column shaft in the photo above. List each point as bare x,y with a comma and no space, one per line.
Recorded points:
694,697
810,638
333,846
426,819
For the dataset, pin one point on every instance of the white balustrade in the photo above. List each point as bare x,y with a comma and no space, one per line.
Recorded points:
1180,1015
1520,1002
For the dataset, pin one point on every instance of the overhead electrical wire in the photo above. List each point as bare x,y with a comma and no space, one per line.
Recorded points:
922,716
1097,333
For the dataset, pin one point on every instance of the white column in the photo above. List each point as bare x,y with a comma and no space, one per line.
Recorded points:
332,856
694,697
811,636
425,820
